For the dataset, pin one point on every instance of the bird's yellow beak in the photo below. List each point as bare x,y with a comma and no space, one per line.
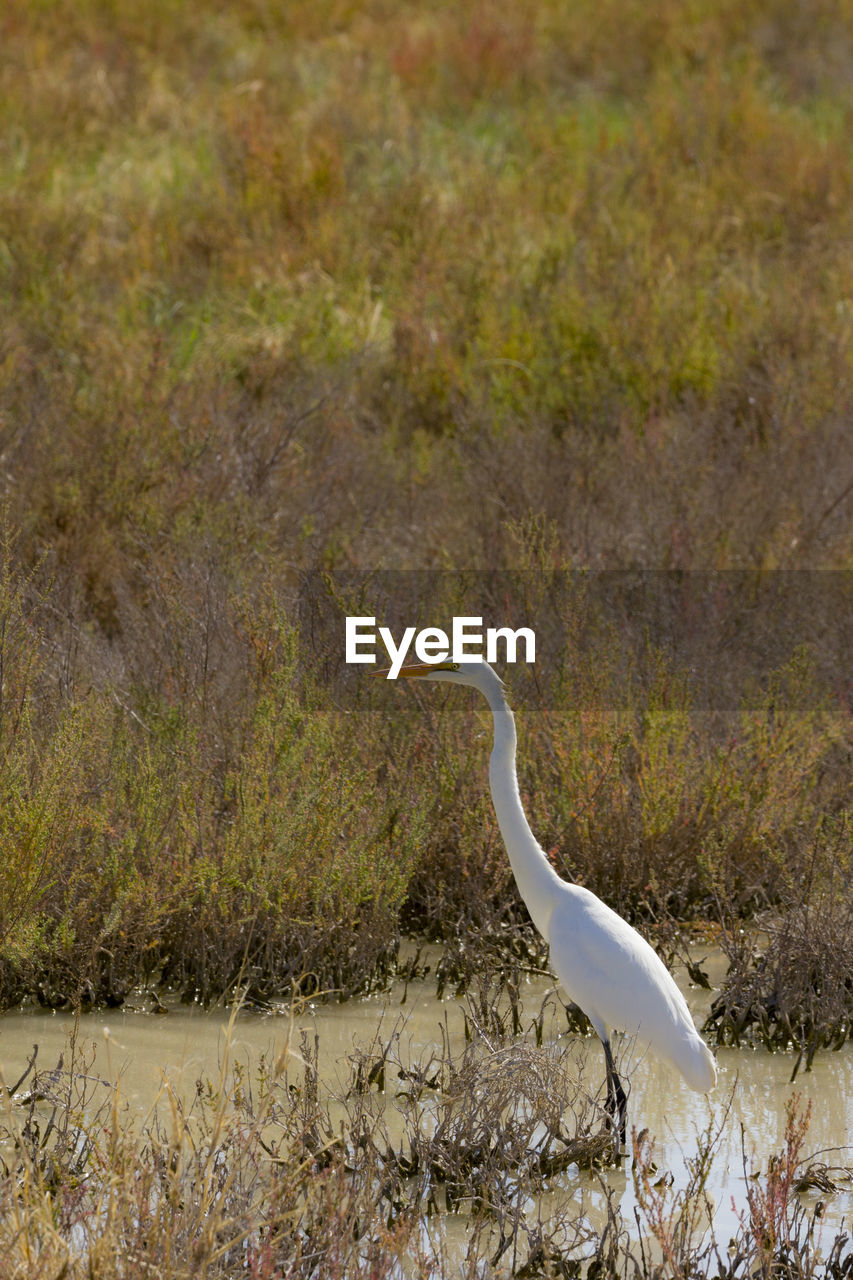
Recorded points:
414,669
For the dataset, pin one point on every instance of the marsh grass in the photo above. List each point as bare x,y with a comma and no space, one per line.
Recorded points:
795,991
214,816
271,1171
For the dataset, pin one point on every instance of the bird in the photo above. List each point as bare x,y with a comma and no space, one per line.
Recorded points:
602,962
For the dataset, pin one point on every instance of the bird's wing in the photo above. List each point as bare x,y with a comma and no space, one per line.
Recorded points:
610,971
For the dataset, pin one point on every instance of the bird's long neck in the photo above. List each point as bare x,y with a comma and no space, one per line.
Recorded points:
534,875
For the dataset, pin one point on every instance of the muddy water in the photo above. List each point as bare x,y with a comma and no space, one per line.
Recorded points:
138,1050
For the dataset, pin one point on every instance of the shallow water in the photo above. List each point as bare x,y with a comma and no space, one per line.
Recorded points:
138,1050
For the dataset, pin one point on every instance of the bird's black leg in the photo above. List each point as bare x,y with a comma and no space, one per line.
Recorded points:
617,1100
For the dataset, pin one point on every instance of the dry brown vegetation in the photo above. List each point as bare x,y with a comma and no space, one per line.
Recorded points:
266,1175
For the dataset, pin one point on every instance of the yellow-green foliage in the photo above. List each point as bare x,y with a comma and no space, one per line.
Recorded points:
662,807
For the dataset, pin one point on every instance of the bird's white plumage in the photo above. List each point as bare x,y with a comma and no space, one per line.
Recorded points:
605,966
622,984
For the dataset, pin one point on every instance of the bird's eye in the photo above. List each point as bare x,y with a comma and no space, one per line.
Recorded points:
454,666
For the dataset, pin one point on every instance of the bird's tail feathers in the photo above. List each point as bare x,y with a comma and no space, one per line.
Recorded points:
696,1063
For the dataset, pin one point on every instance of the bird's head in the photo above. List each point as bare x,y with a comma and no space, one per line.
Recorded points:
475,672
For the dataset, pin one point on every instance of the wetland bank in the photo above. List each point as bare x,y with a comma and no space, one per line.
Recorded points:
537,313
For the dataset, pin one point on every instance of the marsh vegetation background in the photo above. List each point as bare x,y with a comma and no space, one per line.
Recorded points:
295,291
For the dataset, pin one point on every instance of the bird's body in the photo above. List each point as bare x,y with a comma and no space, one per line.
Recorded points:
623,985
604,965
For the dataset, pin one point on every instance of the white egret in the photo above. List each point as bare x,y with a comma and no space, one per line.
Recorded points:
602,962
